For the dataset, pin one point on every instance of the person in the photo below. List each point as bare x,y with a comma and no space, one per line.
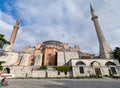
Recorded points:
4,81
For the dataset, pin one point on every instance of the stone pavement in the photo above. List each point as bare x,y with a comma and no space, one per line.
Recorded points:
63,83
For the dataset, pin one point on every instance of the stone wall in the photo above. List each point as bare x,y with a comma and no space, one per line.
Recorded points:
10,58
89,71
54,73
38,59
65,57
21,71
76,71
118,67
39,73
49,73
25,59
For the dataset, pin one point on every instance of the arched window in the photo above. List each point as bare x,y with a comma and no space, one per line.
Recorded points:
110,63
81,67
80,63
112,67
95,64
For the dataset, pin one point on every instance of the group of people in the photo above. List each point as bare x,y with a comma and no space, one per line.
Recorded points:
3,80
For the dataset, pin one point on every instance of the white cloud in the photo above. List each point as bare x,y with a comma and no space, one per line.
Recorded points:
5,24
64,20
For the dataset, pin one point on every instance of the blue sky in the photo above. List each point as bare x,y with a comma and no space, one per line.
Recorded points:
68,21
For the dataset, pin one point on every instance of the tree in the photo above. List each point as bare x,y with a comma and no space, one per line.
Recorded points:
1,67
3,41
116,53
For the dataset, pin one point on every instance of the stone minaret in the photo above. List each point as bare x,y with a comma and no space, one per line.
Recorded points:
13,36
104,49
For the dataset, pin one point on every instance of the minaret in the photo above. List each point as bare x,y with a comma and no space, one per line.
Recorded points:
104,49
13,35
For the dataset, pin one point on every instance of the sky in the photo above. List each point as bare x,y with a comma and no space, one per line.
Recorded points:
68,21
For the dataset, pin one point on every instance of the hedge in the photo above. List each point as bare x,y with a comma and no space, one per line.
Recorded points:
43,67
62,68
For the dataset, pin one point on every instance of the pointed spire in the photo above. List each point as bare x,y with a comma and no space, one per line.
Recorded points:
18,21
91,8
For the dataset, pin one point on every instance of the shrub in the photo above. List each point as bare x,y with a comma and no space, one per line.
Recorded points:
115,77
62,68
95,76
43,67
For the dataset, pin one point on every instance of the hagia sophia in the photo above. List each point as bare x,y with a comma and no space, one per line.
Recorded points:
55,53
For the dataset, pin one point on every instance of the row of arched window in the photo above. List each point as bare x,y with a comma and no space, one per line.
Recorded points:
95,63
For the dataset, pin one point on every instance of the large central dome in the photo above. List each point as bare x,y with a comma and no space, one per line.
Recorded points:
52,42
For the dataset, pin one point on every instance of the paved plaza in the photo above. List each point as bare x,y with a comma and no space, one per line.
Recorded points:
64,83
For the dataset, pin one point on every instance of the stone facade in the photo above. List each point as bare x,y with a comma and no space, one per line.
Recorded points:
20,64
92,66
55,53
64,57
10,58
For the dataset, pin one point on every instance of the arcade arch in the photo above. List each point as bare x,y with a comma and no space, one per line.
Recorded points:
80,63
6,70
112,67
96,67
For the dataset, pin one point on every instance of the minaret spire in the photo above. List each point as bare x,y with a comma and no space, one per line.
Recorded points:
105,50
91,8
13,35
18,21
15,29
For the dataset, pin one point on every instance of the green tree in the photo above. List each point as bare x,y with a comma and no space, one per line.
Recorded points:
1,67
116,53
3,41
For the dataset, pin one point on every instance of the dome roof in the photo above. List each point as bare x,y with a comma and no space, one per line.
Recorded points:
52,42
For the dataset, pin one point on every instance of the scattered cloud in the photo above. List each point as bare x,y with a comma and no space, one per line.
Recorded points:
68,21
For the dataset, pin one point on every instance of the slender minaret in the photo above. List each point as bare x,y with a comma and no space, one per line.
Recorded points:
13,35
105,50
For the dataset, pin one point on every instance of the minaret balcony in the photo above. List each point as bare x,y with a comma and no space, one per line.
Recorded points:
95,17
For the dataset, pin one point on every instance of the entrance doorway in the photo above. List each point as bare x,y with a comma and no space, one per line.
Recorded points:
96,67
98,71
